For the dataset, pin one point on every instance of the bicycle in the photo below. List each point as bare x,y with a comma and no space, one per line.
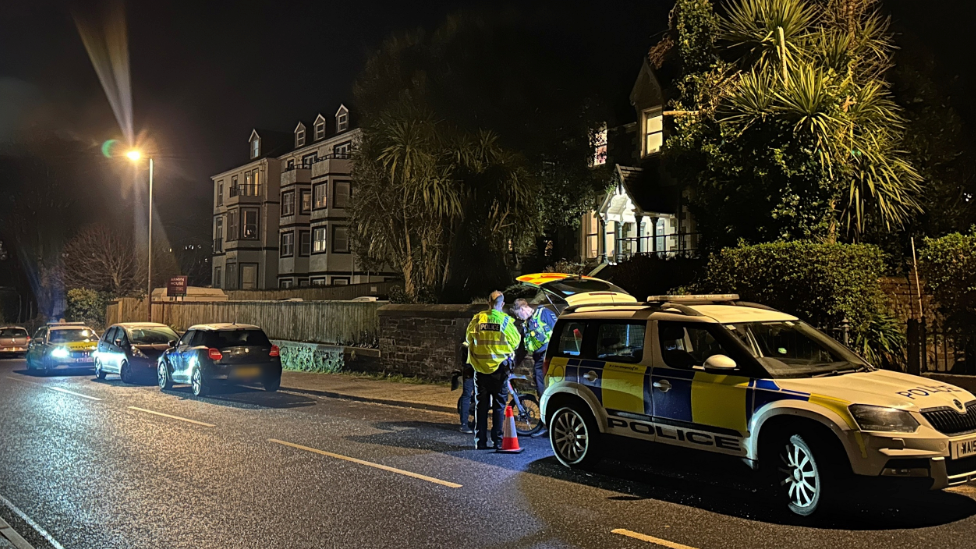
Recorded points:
525,406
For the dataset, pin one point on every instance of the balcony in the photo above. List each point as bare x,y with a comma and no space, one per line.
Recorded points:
295,175
244,193
332,164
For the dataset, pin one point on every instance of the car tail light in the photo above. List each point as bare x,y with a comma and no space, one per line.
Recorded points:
545,367
274,351
214,354
28,339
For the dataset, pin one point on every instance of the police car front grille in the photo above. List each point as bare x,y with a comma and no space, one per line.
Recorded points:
948,421
960,466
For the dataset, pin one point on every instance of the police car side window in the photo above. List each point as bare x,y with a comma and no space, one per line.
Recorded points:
570,342
620,341
686,345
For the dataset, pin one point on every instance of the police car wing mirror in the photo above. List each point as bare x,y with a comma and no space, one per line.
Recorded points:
719,364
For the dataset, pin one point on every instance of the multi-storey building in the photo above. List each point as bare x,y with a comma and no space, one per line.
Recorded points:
281,220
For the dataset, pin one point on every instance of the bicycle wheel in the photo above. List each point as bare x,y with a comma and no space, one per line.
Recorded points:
528,418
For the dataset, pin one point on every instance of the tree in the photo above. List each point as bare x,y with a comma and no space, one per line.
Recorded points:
796,133
102,259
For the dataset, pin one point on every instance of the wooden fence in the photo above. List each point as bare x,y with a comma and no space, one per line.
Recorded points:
329,322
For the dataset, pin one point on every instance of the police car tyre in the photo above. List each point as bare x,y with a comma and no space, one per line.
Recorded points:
197,383
99,372
162,376
805,476
574,437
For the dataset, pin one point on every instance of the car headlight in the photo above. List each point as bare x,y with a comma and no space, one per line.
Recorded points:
879,418
60,352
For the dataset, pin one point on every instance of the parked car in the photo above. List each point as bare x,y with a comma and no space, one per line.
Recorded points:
715,374
560,290
13,341
208,354
62,345
132,350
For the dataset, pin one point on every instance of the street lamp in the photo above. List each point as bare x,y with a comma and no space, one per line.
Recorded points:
135,155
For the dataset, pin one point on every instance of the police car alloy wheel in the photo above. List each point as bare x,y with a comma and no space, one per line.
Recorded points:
572,436
800,476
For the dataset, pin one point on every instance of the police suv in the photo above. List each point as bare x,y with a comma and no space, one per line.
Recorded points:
720,375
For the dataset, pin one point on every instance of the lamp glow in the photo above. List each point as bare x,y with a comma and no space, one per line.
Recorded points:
134,155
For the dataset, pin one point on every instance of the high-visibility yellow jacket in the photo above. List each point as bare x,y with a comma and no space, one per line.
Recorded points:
492,337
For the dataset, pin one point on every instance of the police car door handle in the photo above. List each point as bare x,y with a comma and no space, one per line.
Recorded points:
590,376
664,385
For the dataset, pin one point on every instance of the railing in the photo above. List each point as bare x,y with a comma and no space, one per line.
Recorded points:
947,351
246,189
308,165
666,245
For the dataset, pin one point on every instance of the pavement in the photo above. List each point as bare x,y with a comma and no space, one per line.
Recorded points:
102,464
411,395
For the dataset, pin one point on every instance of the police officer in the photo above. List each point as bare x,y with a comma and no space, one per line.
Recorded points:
539,323
492,340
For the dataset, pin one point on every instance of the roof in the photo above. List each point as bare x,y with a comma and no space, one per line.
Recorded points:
645,187
140,325
224,326
735,313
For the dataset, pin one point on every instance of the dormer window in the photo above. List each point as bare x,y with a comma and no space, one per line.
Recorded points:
300,135
255,147
653,131
342,119
319,128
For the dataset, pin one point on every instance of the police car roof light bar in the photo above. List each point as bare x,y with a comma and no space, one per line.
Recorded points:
692,298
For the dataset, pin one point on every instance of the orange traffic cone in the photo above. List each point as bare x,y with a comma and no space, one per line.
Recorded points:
510,443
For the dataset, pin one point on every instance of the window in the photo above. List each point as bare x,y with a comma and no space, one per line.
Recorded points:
232,225
321,195
319,239
304,243
287,244
340,239
570,340
249,223
287,203
255,148
252,183
291,164
342,121
684,345
249,276
216,277
341,194
598,140
286,283
320,130
306,202
218,243
308,160
620,342
342,150
300,136
653,131
230,278
318,281
234,190
223,339
220,192
340,281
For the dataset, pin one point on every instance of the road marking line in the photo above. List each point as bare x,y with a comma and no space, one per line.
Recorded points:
32,524
650,539
11,535
195,422
60,390
368,464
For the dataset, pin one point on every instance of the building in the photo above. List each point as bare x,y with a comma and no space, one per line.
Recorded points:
281,219
645,211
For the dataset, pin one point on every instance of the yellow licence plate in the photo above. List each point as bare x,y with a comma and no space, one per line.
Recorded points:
249,372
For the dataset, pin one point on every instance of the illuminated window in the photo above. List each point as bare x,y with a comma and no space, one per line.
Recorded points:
321,195
249,224
255,148
653,131
320,236
598,140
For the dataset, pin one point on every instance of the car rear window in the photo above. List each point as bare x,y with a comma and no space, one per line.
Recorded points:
237,338
13,332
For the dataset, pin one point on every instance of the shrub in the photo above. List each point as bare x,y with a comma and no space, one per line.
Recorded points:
644,275
948,265
86,306
821,283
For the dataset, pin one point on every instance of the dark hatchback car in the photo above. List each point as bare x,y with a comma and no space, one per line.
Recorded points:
132,350
209,354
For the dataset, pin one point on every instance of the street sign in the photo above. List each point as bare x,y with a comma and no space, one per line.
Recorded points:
176,286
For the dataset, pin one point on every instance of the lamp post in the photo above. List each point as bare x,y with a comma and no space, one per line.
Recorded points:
135,156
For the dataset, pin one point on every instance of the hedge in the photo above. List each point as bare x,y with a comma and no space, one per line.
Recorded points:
948,265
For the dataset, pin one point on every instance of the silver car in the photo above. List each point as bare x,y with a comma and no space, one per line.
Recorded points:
13,341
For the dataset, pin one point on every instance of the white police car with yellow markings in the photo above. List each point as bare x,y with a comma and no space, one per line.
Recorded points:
720,375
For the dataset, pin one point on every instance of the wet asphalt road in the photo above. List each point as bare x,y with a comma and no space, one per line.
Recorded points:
97,466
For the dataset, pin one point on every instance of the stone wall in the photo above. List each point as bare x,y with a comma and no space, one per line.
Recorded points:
423,340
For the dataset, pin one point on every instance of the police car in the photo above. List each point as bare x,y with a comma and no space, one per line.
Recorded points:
62,344
720,375
560,290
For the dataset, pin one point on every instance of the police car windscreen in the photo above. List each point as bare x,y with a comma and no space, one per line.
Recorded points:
152,336
573,286
790,349
68,335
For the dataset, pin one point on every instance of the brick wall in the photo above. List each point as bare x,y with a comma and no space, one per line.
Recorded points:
423,340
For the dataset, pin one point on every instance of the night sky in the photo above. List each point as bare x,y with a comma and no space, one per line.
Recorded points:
205,72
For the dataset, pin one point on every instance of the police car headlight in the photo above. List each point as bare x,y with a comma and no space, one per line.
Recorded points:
879,418
60,352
